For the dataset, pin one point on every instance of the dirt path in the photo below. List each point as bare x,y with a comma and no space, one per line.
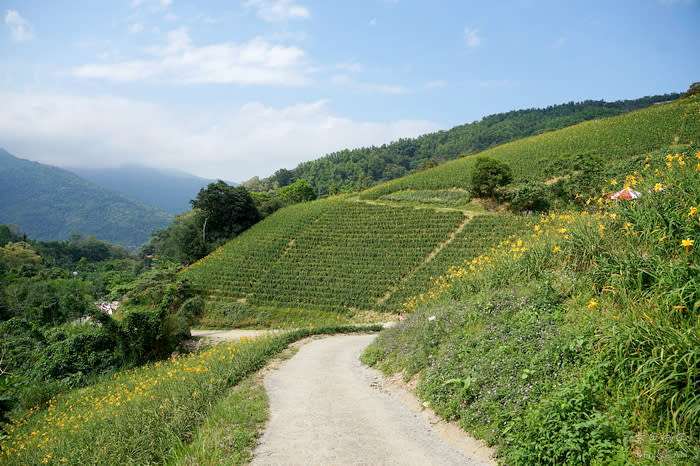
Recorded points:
218,336
327,408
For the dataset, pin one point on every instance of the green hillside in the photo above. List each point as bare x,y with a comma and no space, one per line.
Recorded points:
50,203
588,145
367,166
345,254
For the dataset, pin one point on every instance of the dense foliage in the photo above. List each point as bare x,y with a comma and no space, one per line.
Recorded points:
357,169
220,212
51,204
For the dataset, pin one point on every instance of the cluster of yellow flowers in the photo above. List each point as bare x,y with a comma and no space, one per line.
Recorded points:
553,232
151,389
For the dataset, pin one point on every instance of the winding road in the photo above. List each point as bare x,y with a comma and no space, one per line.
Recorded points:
327,408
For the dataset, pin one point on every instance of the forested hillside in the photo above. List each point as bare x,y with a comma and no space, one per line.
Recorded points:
362,168
50,203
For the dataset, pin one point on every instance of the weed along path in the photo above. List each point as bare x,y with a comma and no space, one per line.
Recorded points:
327,408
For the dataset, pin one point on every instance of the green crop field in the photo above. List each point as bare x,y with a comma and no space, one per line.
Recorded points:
329,255
600,142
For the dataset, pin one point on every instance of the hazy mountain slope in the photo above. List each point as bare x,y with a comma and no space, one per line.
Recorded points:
50,203
168,189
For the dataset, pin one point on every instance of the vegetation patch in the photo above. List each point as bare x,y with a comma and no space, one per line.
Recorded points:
588,353
140,416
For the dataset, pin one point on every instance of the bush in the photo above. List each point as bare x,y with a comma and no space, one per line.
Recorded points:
487,175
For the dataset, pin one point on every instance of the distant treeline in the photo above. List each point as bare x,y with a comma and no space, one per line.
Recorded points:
356,169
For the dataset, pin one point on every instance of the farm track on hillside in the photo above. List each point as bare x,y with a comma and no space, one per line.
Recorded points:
326,408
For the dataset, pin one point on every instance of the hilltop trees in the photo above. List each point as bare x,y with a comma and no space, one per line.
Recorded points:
299,191
488,174
220,212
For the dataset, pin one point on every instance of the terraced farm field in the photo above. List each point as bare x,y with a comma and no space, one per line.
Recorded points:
604,141
328,255
476,238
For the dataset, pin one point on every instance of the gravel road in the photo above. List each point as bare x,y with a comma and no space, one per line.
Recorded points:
327,408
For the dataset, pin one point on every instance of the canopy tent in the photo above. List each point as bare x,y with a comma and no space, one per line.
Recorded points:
626,193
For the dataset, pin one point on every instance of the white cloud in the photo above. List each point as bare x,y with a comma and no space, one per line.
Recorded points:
136,28
20,28
154,4
440,83
279,10
255,139
179,61
559,43
471,37
373,22
498,83
344,80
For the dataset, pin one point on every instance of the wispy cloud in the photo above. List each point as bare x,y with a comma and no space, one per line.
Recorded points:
152,4
373,22
343,80
250,140
179,61
279,10
437,84
471,37
498,83
559,43
136,28
20,28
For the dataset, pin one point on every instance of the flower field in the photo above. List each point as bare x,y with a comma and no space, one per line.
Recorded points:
555,153
140,416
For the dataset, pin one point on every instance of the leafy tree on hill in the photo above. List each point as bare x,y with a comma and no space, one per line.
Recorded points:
299,191
489,174
226,211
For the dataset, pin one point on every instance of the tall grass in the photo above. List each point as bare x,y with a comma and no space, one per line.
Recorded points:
139,416
622,278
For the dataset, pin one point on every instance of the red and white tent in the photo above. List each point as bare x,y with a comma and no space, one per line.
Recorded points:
626,193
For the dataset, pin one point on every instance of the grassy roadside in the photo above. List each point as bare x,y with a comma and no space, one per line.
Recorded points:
576,343
142,416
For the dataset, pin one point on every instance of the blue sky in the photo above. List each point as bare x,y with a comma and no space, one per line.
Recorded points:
233,89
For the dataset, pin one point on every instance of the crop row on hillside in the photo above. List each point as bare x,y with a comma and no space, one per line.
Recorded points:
340,255
476,238
589,144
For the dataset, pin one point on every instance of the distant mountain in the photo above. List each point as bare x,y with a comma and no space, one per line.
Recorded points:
170,190
50,203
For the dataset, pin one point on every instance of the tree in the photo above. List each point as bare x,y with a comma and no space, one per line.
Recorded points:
487,175
227,211
299,191
17,254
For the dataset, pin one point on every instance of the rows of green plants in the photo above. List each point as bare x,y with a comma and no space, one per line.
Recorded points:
580,147
333,254
353,254
233,269
575,342
458,198
475,238
141,416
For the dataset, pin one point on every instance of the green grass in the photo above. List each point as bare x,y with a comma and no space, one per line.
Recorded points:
231,430
576,341
144,415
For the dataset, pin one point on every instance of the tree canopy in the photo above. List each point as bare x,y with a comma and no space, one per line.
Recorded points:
488,174
226,210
